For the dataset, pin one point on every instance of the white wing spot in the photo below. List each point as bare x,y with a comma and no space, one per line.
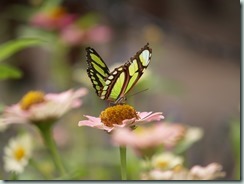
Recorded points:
111,77
103,93
145,57
107,82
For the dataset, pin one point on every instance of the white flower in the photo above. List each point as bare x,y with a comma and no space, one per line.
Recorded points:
2,126
193,134
166,161
17,153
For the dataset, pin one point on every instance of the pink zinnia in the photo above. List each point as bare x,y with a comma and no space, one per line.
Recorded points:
36,106
148,138
120,116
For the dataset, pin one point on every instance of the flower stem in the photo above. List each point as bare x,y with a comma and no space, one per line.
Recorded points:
35,165
46,132
123,162
14,176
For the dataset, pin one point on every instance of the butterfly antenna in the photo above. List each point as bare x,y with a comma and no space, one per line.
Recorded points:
139,92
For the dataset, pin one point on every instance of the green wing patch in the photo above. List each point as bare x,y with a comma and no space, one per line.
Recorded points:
97,69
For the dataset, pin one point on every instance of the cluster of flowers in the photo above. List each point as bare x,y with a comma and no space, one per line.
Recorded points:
72,29
167,166
34,108
156,143
160,143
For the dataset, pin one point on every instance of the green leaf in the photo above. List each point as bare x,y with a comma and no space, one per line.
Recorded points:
9,48
1,107
88,20
235,136
9,72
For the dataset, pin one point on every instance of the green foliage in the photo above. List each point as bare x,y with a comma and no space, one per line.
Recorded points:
7,71
9,48
235,136
88,20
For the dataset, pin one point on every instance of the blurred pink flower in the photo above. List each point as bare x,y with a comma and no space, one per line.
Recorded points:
61,135
145,138
72,35
144,117
56,18
37,107
75,35
99,34
210,172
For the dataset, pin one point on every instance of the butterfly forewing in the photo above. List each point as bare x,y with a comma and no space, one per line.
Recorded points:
97,70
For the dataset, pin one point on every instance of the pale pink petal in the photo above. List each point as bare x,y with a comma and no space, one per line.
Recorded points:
142,115
122,137
80,92
146,117
151,117
14,114
77,94
126,123
94,122
58,97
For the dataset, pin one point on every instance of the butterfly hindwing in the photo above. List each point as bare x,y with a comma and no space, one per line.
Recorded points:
97,70
123,78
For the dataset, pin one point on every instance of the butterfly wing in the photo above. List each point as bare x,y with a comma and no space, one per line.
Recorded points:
123,78
97,70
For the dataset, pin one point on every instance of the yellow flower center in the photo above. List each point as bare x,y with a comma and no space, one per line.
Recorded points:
32,97
57,13
19,153
116,114
141,131
163,164
178,168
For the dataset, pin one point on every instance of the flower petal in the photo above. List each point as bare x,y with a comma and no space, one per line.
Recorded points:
94,122
148,116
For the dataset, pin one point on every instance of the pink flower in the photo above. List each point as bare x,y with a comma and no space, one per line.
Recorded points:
99,34
141,118
211,171
36,106
72,35
56,18
146,138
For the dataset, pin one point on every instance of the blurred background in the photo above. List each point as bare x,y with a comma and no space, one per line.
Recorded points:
193,78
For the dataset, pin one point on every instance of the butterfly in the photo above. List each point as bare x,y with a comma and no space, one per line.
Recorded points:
113,86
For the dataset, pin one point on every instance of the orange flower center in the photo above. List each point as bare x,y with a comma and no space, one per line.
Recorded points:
32,97
57,13
19,153
116,114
